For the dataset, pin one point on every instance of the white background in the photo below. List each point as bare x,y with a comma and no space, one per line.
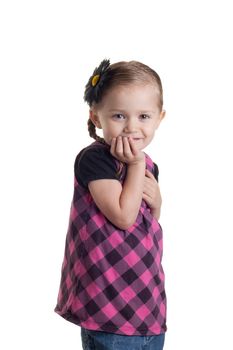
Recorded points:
48,51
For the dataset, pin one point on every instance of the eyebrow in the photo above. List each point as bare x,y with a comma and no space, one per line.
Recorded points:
123,111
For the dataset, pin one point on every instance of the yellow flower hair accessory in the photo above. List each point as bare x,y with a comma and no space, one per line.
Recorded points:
95,80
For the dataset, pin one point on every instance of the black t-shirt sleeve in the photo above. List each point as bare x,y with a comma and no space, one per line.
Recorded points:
94,164
156,172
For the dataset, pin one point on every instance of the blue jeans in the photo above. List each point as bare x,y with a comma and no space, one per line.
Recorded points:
98,340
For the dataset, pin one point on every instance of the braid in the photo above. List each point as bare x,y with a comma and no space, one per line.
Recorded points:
92,131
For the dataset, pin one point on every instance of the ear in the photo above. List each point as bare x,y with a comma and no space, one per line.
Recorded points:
94,118
162,115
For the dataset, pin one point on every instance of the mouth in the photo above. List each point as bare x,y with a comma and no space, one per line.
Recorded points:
135,138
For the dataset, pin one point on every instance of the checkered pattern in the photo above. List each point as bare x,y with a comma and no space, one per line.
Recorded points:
112,280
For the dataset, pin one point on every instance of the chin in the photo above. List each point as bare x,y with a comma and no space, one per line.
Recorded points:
107,141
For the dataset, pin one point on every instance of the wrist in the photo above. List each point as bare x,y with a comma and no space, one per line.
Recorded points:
138,162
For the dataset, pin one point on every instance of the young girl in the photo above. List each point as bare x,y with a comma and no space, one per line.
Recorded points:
112,280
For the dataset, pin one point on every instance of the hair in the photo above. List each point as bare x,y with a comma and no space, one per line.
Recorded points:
108,76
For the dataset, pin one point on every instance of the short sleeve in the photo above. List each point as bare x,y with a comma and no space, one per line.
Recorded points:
156,172
95,163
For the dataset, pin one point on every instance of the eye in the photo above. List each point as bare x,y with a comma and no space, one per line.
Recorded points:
144,116
118,116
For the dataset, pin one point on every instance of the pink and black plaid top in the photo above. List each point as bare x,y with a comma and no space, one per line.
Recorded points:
112,280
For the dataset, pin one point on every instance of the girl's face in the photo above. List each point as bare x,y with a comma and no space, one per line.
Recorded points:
131,110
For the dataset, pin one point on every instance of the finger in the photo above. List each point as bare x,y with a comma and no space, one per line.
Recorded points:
147,188
149,174
150,183
133,147
126,151
147,199
147,194
113,146
119,146
150,177
151,186
150,193
147,181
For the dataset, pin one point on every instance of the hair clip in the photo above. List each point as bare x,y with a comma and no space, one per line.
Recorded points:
97,82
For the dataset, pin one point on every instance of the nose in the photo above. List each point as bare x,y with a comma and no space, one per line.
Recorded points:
131,126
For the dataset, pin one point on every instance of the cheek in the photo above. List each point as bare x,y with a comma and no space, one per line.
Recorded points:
109,132
149,130
115,128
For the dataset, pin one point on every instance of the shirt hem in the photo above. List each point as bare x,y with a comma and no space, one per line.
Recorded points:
122,330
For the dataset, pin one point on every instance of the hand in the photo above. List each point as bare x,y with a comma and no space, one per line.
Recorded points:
125,150
151,192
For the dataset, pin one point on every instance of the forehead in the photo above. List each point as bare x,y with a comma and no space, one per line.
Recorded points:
132,95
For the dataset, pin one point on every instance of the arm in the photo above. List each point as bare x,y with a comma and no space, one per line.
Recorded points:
121,204
151,194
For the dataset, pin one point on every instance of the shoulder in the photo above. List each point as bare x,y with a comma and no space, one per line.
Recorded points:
95,162
93,154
